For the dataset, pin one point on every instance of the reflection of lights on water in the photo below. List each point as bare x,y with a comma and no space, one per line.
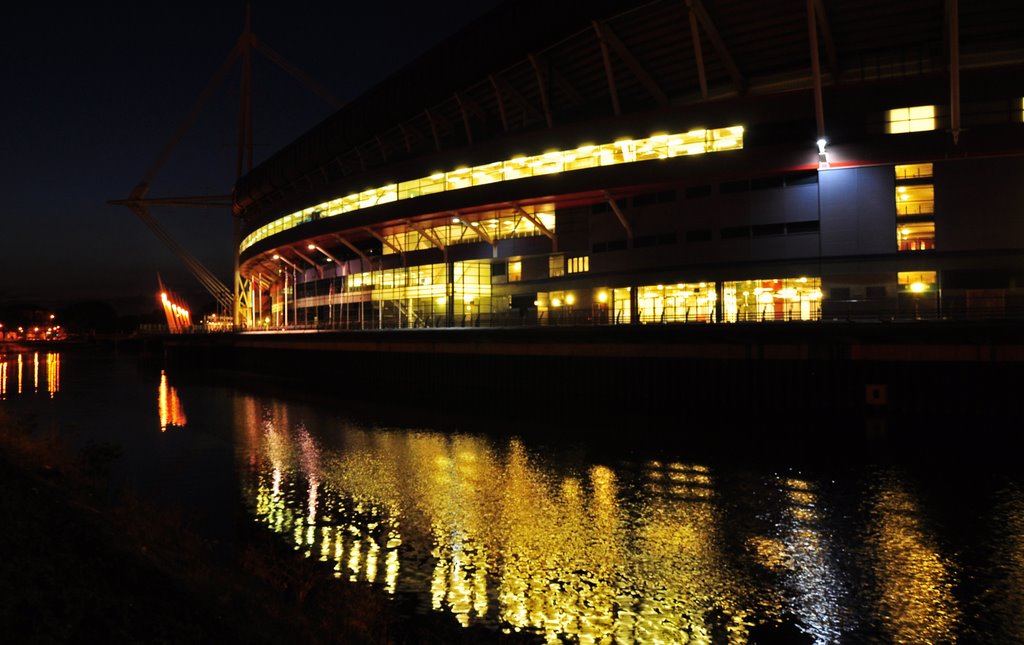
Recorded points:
169,405
508,540
20,365
53,374
915,599
35,372
3,380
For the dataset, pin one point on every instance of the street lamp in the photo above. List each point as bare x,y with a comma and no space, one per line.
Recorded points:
285,291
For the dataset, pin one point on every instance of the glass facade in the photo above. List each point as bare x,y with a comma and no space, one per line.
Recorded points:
419,296
495,225
658,146
772,299
682,302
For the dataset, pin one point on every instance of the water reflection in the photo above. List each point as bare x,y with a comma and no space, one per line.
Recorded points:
492,534
52,375
172,413
913,581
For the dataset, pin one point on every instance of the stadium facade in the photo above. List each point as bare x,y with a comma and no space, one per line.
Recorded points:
673,161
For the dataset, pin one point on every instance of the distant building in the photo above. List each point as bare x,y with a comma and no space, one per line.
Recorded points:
668,161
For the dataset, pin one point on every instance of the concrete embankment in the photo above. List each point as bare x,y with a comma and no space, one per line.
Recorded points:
771,369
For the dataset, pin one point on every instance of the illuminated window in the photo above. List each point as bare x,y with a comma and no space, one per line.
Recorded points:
658,146
910,119
915,236
915,207
913,171
774,299
579,265
917,281
915,200
501,224
556,266
515,271
682,302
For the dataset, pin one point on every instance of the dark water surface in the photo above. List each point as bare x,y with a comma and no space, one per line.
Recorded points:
602,534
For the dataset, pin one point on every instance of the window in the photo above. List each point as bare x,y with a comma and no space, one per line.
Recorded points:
914,171
916,236
772,299
915,207
556,266
910,119
579,265
915,200
917,281
515,270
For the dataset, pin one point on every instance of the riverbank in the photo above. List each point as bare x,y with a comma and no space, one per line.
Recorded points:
79,565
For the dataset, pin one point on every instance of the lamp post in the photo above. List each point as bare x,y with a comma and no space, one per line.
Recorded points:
294,295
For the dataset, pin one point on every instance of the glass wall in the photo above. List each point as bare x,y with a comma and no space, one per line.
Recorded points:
494,225
682,302
659,146
772,299
403,297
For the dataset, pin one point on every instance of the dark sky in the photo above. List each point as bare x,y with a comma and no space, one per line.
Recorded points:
93,91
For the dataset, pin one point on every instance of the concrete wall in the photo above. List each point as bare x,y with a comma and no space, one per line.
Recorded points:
858,211
979,203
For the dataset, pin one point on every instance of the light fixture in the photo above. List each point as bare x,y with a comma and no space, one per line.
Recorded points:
822,142
311,247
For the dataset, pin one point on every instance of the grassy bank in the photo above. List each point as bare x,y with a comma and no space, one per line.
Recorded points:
77,565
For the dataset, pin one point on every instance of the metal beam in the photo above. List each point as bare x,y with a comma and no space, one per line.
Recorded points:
559,79
634,66
540,226
698,54
336,261
542,87
716,41
405,135
429,236
953,13
608,69
383,241
478,228
308,260
196,201
465,118
618,213
830,44
501,103
812,32
216,288
433,130
519,98
352,247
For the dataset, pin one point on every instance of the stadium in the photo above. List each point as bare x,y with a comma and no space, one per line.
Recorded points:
675,161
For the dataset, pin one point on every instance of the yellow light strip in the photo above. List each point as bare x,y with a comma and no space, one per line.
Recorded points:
659,146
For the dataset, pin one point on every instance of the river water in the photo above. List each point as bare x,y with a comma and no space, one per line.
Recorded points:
610,535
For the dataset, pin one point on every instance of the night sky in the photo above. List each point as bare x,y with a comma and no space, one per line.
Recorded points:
92,93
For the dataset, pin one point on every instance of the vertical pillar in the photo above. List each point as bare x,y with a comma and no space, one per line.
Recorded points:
719,301
449,268
634,305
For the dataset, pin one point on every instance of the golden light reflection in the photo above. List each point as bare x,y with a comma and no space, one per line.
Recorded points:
915,599
53,374
172,413
35,372
20,365
502,539
3,379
